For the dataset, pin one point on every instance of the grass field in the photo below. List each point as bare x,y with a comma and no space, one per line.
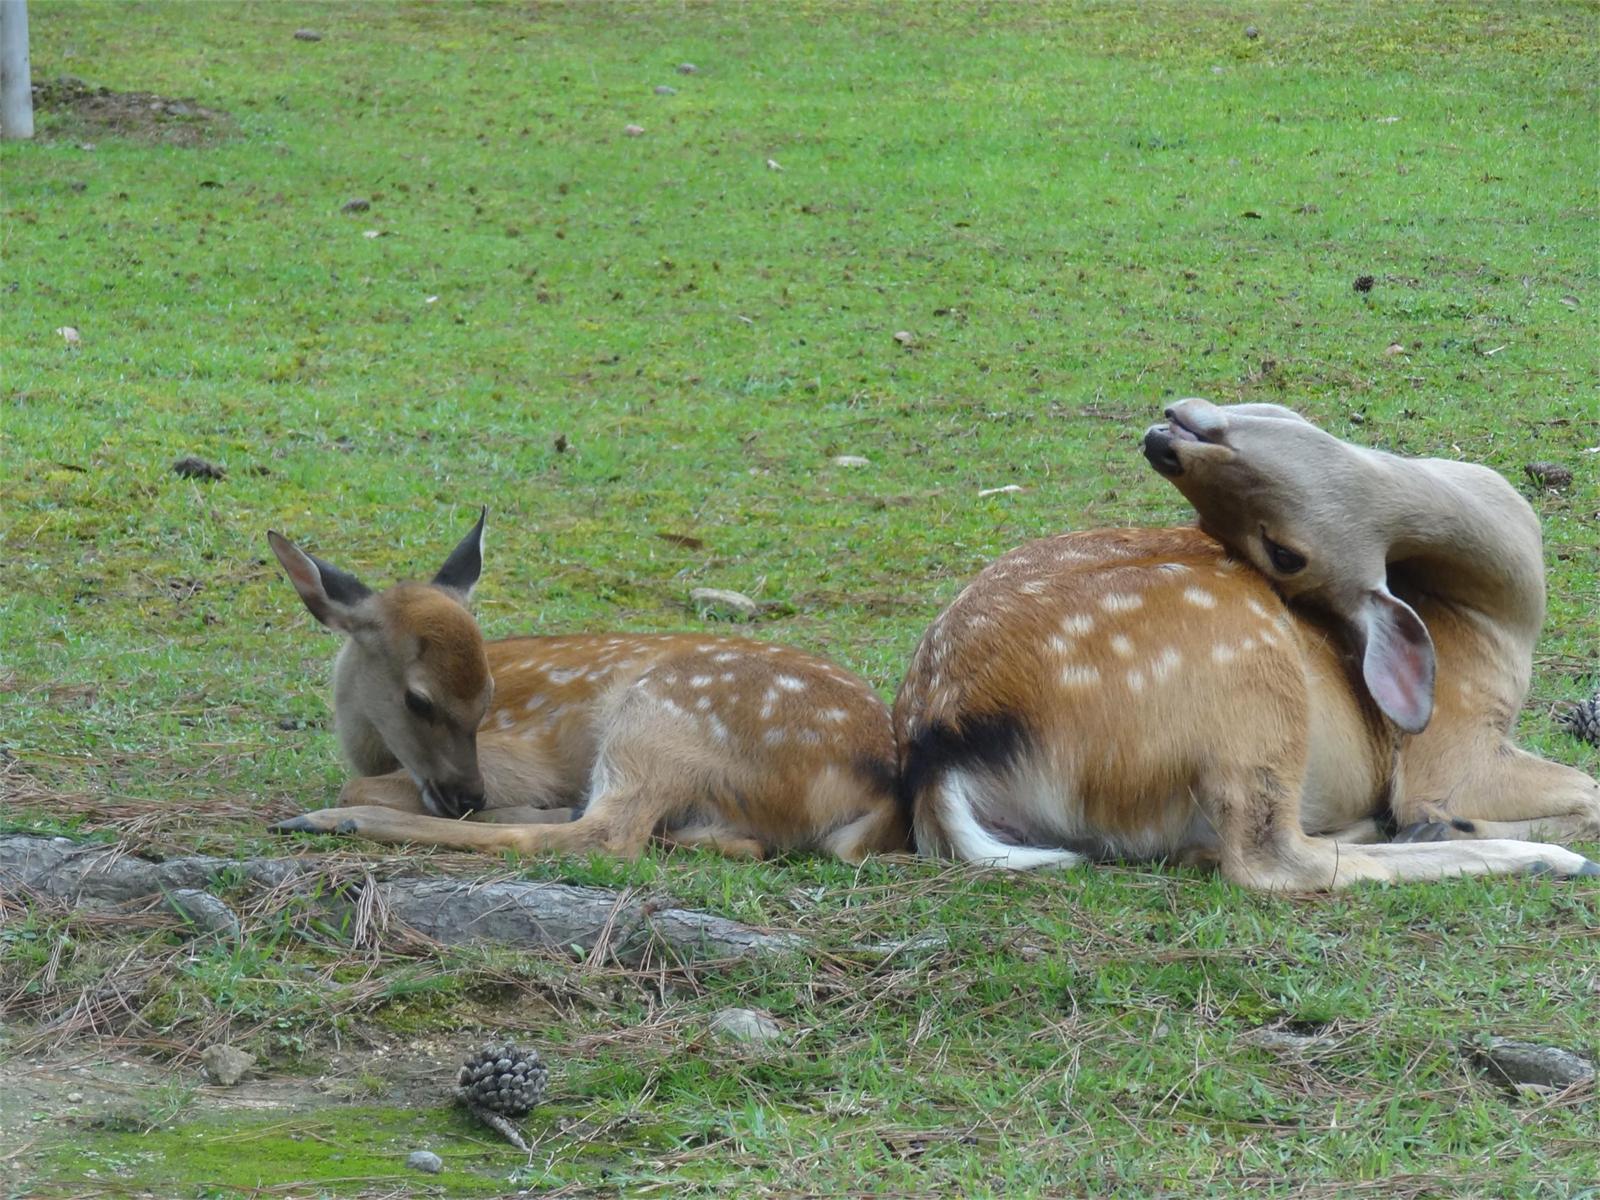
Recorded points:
1074,212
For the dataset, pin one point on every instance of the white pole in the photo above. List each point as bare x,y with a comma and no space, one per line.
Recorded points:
16,77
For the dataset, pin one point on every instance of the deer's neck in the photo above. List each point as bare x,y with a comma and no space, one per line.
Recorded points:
1461,534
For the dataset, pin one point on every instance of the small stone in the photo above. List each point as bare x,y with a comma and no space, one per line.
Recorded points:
663,90
851,460
358,204
720,603
425,1161
1394,349
225,1065
307,35
1251,32
747,1025
74,1097
69,334
687,69
1548,474
906,338
633,130
1514,1064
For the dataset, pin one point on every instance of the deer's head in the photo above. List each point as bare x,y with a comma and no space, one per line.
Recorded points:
1312,514
413,674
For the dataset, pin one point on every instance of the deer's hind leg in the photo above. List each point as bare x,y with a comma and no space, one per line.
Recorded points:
1513,795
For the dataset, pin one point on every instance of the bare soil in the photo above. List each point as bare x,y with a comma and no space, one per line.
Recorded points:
76,111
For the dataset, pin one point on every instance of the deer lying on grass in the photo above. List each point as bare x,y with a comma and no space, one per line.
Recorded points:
1252,691
742,746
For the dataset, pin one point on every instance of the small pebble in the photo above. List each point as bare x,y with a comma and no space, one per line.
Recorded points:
663,90
359,204
1251,32
307,35
687,68
633,130
426,1161
851,460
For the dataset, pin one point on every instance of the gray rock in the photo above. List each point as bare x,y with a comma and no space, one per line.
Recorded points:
717,602
851,460
664,90
204,912
426,1161
225,1065
747,1025
1513,1064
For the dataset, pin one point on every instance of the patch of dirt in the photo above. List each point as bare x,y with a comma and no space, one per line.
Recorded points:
72,110
43,1095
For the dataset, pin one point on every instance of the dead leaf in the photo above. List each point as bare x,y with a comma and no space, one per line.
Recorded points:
851,460
686,540
1003,490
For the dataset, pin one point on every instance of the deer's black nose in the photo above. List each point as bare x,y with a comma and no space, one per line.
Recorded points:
1159,449
447,801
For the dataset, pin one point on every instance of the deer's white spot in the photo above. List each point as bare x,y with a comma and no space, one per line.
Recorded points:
1165,663
1247,645
1060,645
1136,680
1256,608
503,720
533,703
1077,624
790,684
718,729
699,681
1033,587
775,736
1121,646
1173,568
1222,655
1199,597
724,656
810,737
564,675
703,703
1268,638
726,677
1114,602
835,715
1077,676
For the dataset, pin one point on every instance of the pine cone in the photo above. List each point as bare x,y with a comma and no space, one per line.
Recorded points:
1583,720
503,1079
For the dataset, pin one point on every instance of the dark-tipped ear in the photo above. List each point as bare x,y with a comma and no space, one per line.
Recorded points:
331,594
461,570
1397,662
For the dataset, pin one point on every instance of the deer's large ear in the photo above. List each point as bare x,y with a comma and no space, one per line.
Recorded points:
1397,662
461,570
332,595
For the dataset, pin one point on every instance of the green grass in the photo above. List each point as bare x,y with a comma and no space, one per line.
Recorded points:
1078,212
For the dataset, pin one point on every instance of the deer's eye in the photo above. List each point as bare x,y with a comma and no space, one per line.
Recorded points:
1284,560
420,705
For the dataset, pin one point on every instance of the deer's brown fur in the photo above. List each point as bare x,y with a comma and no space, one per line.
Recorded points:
1157,693
747,747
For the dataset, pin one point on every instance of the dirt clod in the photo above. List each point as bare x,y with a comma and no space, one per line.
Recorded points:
1363,283
307,35
193,467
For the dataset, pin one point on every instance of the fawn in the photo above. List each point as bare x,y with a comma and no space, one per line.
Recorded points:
1347,635
588,742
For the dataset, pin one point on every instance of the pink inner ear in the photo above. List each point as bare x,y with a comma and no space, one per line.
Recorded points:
1398,666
